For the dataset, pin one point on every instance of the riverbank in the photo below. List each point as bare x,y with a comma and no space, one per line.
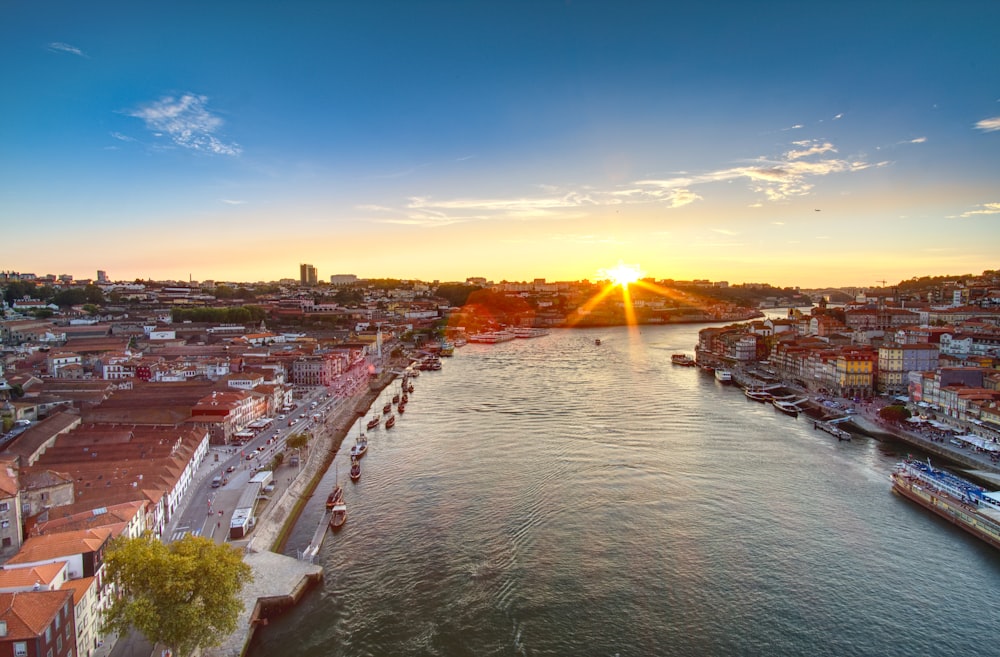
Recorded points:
280,581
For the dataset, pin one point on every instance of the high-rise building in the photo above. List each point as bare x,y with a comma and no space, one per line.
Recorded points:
102,276
307,275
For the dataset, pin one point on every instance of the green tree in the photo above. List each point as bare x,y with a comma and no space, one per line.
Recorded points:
184,595
894,413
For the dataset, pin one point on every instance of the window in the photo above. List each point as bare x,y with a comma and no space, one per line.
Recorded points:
4,524
6,542
4,506
20,649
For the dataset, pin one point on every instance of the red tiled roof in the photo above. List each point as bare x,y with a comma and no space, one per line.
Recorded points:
27,614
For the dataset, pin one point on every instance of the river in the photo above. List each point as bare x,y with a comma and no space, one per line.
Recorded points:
552,496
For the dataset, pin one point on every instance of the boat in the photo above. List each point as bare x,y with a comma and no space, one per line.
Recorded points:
409,388
447,349
492,337
390,422
786,407
405,399
961,502
597,341
335,496
355,469
339,516
387,408
529,332
360,446
762,396
723,376
374,422
683,360
833,430
401,408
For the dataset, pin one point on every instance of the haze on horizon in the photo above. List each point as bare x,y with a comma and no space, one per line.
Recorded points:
809,144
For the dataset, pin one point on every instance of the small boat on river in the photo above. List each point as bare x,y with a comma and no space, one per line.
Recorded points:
390,422
374,422
355,469
360,446
339,516
723,376
335,497
683,360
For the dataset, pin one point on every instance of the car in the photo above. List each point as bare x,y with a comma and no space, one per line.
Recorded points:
217,481
231,468
281,417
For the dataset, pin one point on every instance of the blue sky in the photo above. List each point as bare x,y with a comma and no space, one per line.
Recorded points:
794,143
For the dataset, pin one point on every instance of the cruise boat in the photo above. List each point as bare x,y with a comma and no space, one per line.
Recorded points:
492,337
961,502
762,396
723,376
529,332
786,407
682,359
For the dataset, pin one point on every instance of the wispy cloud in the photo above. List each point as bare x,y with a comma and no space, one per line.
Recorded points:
918,140
58,46
120,137
983,208
807,148
989,125
838,117
229,201
187,122
725,231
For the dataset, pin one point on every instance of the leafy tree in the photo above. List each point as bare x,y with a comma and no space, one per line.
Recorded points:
184,595
90,308
94,294
74,296
894,413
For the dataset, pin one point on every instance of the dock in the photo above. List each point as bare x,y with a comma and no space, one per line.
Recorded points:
278,583
310,551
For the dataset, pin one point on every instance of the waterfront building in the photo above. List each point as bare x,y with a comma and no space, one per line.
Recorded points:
896,361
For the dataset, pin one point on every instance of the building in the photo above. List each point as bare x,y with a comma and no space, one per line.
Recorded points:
307,275
896,361
37,624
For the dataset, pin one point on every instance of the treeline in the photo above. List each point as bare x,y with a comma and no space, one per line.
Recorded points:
235,315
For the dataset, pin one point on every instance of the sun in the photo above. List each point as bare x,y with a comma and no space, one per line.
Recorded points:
622,274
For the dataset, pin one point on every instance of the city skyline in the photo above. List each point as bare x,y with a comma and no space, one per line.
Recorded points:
829,145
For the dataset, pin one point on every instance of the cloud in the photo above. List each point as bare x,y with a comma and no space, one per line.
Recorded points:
838,117
918,140
809,148
228,201
724,231
57,46
989,125
187,122
984,208
120,137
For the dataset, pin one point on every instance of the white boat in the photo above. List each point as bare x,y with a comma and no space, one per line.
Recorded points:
529,332
786,407
492,337
762,396
359,447
723,376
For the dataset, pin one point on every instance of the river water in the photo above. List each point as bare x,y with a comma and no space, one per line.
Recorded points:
552,496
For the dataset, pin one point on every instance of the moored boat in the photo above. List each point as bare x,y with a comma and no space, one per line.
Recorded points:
338,516
355,469
360,446
786,407
758,395
374,422
335,496
961,502
683,360
723,376
390,422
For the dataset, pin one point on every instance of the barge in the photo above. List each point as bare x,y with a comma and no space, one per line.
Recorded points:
958,501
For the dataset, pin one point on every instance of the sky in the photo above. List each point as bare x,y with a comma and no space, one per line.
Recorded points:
792,143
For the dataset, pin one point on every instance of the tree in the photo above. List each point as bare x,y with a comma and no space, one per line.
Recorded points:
894,413
184,595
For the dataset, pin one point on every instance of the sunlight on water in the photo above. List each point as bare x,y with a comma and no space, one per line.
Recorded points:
556,497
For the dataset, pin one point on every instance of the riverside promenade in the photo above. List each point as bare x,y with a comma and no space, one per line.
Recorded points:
280,581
